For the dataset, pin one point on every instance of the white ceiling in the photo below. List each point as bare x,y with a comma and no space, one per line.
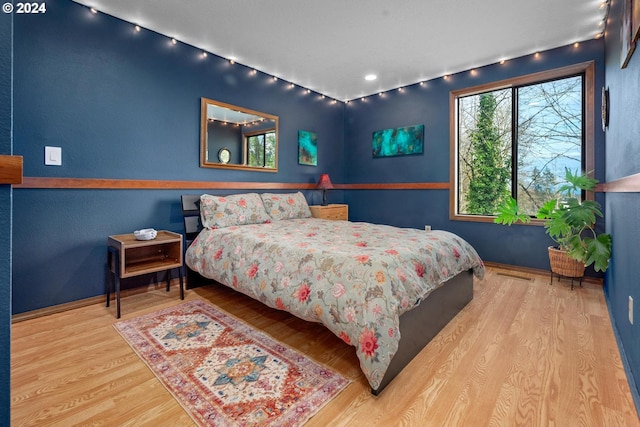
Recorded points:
330,45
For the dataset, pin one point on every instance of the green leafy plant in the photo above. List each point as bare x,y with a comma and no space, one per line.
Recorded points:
569,221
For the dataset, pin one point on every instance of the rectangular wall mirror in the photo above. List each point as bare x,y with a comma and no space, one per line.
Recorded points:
233,137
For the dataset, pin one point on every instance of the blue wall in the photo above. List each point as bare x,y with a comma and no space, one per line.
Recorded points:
6,53
124,104
428,104
623,159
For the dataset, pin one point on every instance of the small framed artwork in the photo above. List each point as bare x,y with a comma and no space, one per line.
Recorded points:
627,37
307,148
398,142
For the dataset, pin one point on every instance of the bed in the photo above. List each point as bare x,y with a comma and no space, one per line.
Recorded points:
387,291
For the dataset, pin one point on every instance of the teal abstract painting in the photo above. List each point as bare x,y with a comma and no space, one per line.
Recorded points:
398,141
307,148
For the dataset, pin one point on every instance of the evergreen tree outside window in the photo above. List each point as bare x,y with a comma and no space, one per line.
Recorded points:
486,158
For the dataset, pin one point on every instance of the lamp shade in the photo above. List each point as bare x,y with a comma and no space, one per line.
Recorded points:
324,182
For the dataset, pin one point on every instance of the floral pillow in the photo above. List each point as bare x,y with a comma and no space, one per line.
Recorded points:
237,209
286,206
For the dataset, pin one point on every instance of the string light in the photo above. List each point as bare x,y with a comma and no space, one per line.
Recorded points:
602,25
204,54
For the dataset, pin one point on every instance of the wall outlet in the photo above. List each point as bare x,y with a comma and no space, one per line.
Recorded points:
427,228
630,309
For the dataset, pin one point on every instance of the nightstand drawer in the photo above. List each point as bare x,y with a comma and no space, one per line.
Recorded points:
332,212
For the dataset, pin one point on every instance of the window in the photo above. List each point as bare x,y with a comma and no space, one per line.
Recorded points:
515,138
261,148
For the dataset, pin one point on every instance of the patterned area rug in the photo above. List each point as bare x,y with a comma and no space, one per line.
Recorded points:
225,373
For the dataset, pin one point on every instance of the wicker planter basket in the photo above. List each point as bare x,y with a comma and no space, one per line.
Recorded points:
563,264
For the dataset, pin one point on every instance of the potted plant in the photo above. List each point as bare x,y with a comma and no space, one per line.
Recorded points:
570,222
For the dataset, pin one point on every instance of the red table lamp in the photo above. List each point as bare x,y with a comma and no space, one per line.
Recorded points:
325,184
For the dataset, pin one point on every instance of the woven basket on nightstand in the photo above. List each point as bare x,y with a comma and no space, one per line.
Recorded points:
563,264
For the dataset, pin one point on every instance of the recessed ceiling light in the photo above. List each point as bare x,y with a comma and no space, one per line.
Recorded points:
370,77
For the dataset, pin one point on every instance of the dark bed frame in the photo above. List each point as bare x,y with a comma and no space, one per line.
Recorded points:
417,326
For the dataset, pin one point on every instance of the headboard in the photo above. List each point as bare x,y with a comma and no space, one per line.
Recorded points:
191,216
192,226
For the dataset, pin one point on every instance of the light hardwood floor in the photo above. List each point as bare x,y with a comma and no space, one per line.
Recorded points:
521,353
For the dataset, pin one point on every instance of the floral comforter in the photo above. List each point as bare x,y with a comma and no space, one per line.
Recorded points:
355,278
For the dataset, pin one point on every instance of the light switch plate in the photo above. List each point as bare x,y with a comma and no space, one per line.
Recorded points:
53,156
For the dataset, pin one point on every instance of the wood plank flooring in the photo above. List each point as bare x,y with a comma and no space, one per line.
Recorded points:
521,353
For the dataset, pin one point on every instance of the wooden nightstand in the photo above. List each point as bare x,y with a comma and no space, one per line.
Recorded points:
334,212
129,257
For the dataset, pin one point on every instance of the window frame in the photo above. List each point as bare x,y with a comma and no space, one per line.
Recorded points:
585,68
264,132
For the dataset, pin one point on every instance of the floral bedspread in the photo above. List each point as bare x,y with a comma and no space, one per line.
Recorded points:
355,278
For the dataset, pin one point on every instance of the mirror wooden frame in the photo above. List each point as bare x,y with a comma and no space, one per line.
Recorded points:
205,162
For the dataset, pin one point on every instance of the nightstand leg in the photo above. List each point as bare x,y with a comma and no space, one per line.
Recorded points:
117,296
111,271
168,279
116,279
108,289
109,277
181,284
